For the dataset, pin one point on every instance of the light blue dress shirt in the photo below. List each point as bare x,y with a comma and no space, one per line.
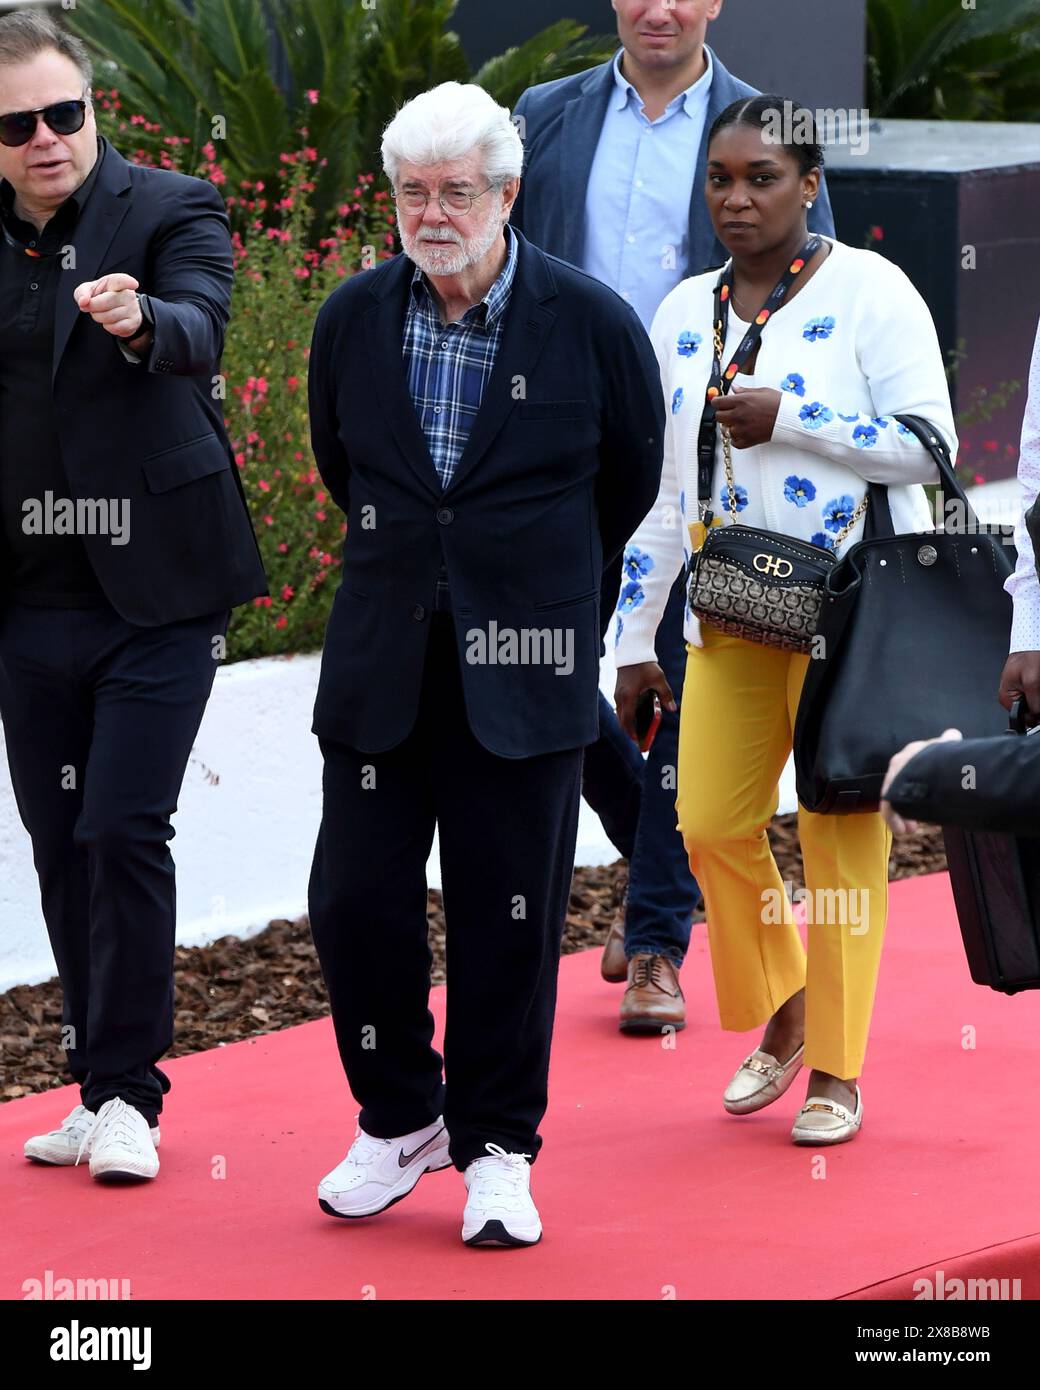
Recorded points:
637,207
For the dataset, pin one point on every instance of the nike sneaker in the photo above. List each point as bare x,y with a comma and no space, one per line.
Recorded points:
499,1208
376,1173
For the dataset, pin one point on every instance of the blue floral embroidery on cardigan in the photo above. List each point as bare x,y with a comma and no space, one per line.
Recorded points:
837,512
740,494
865,436
904,429
800,491
631,597
689,343
677,401
619,629
638,563
793,382
821,538
818,328
849,419
815,416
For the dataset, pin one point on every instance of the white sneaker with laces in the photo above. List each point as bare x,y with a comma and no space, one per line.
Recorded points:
376,1173
60,1146
119,1143
499,1209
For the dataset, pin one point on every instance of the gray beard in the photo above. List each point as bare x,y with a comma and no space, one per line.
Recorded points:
464,256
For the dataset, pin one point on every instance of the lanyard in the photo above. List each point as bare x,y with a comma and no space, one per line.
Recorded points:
719,381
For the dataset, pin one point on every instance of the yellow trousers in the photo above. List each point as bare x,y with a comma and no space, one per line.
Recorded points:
739,704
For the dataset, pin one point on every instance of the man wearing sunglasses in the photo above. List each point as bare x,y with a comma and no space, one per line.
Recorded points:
124,542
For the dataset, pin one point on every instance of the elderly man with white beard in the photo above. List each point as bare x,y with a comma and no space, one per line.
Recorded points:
491,422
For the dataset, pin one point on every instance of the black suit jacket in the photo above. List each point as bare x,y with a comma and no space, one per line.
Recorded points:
1001,792
152,432
563,462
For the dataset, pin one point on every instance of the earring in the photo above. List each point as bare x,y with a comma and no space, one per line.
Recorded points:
808,204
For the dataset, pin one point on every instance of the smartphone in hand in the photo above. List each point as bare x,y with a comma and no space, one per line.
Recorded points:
648,719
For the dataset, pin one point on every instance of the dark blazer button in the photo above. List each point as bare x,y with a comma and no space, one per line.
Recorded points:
418,612
445,516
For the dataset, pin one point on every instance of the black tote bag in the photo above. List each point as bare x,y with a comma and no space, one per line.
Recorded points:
915,632
995,879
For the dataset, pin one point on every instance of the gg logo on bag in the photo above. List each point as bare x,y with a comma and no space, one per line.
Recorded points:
774,565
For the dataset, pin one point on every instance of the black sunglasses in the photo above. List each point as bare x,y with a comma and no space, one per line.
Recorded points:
64,118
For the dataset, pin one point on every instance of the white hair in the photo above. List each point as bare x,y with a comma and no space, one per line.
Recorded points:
450,122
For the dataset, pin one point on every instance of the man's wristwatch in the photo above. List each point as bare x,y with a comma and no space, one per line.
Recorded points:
147,320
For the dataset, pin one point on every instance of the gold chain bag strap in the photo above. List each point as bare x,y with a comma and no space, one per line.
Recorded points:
761,586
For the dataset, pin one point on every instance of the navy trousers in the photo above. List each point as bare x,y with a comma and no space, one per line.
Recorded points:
99,720
635,800
507,829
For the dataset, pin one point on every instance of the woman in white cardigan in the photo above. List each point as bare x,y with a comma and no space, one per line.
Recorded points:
810,419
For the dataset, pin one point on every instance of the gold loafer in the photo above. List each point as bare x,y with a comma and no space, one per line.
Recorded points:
759,1080
822,1121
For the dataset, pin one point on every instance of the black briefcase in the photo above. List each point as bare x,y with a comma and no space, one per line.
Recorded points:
996,889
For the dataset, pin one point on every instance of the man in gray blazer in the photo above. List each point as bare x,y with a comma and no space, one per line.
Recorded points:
614,173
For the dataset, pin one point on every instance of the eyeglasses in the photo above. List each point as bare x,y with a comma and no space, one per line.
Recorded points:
64,118
455,202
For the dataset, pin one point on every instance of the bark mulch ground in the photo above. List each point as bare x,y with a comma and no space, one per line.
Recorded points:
236,989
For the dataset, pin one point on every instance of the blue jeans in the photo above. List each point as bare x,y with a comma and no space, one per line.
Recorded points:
635,800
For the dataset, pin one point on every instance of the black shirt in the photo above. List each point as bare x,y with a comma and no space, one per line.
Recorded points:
45,570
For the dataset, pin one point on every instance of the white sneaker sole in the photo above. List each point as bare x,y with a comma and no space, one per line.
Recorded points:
124,1168
496,1233
438,1159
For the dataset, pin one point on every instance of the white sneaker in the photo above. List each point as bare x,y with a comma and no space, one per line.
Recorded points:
119,1143
61,1146
499,1209
376,1173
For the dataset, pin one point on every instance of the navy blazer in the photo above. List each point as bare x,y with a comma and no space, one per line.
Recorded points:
152,432
562,464
561,126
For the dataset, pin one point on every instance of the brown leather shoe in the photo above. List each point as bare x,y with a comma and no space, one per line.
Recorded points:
653,999
613,964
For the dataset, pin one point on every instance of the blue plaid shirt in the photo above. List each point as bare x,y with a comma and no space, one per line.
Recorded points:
448,365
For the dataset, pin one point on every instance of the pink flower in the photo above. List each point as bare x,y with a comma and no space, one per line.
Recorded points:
312,95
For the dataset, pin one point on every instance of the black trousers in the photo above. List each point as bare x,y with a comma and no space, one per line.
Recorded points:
507,831
99,718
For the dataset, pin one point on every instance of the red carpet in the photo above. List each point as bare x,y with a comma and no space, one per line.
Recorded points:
647,1188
